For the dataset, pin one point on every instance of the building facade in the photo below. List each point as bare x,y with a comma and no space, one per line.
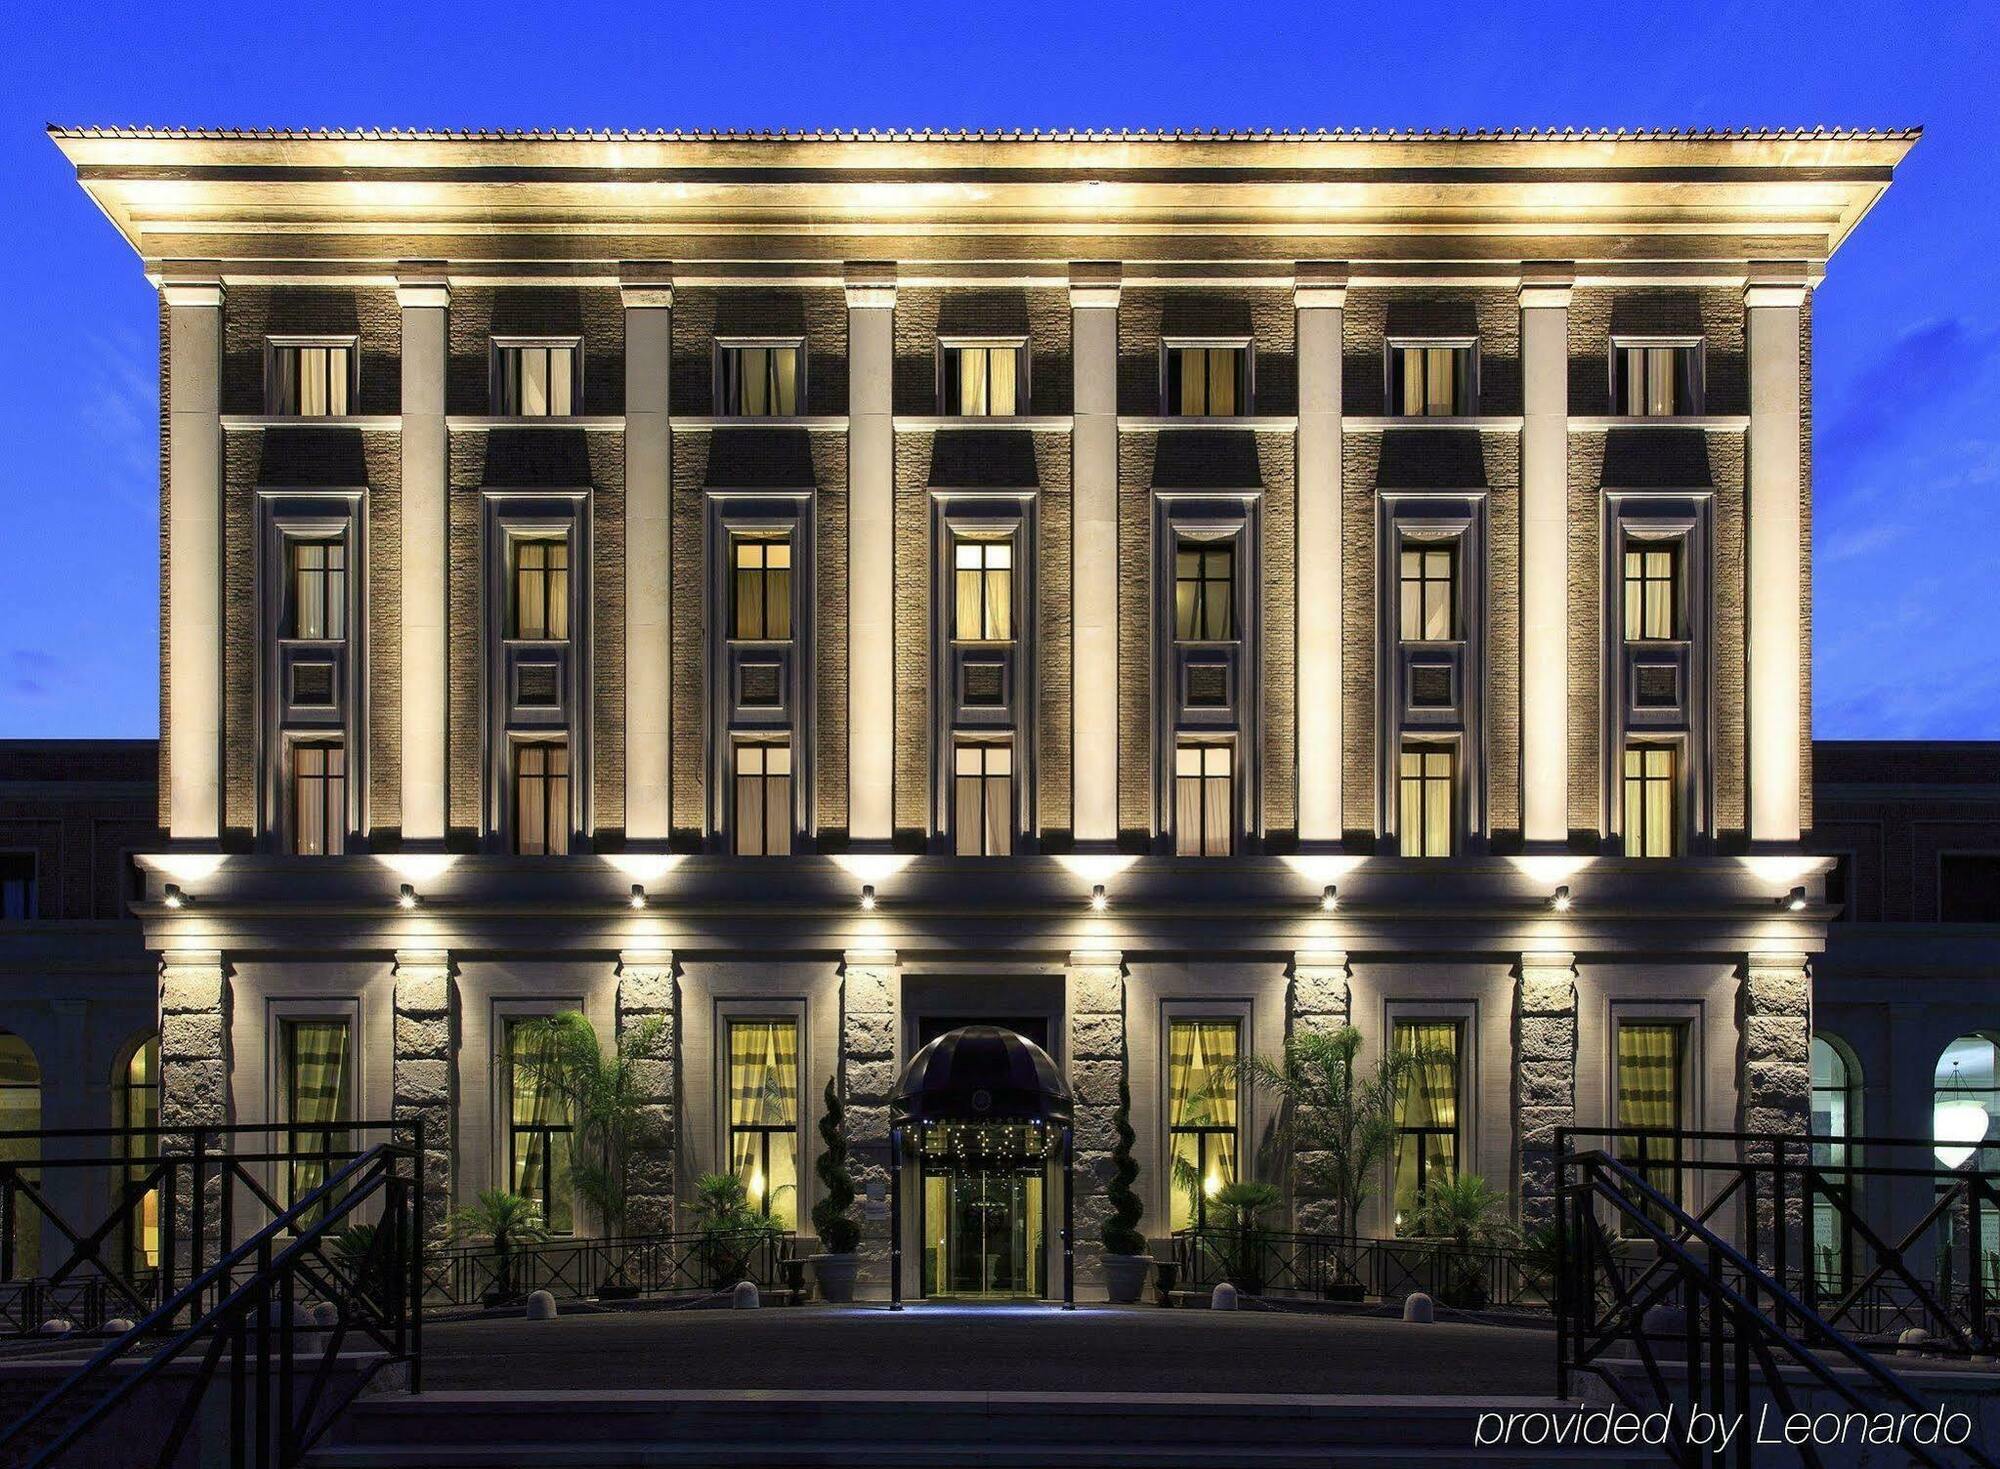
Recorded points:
798,594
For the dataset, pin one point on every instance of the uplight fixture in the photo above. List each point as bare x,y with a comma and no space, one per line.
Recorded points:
1795,900
638,898
173,897
868,897
406,899
1329,899
1559,901
1098,902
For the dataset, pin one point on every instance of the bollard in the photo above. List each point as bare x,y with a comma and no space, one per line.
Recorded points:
541,1306
744,1297
1418,1307
1222,1298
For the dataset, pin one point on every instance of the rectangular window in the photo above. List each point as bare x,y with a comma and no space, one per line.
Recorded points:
1202,1110
17,885
1651,1100
541,798
764,1116
983,799
1427,584
1208,382
1655,381
316,1095
761,604
539,1126
1204,591
1430,380
319,798
1652,590
984,591
1427,1112
761,382
316,572
535,381
310,379
540,581
1650,823
763,824
1424,780
1204,801
1969,887
981,381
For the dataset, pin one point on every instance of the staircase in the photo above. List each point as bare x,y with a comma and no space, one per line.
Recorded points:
586,1430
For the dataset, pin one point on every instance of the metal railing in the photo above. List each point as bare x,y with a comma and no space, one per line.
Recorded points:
641,1265
1266,1262
244,1326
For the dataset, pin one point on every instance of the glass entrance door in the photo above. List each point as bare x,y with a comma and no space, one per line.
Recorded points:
983,1234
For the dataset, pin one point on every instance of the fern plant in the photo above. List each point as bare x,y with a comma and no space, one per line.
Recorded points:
837,1231
1121,1234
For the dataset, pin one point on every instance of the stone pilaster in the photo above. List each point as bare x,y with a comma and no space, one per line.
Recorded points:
871,1008
1094,1002
422,1080
1774,309
646,993
871,554
425,298
193,672
1320,298
194,1073
1776,1088
1093,299
1545,557
1320,1005
649,314
1544,1075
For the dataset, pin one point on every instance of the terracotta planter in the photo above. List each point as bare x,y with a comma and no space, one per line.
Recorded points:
1125,1277
835,1274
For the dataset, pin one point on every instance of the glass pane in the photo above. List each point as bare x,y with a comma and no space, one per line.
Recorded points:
1187,816
1003,380
784,381
1222,370
1194,381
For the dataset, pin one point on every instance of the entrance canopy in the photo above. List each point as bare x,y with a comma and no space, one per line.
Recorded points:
981,1074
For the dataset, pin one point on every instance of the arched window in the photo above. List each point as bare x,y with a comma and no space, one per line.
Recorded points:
135,1104
1836,1117
1965,1128
20,1110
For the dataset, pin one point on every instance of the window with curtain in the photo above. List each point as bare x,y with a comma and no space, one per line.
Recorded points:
1427,1111
764,1116
1651,824
761,381
1650,1090
1427,592
541,798
760,607
1836,1113
21,1110
1204,591
317,572
983,799
1424,782
983,590
1202,1112
310,379
1656,380
1204,800
539,1126
763,806
1430,380
319,798
540,579
1652,590
1208,382
135,1104
535,381
316,1096
981,381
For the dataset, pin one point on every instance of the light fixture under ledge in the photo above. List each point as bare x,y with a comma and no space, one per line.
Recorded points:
1795,900
638,898
1559,901
406,899
868,897
1329,899
1098,902
173,897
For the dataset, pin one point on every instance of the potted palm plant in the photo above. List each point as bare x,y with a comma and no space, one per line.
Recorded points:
1466,1216
731,1231
504,1220
1125,1259
1240,1205
837,1265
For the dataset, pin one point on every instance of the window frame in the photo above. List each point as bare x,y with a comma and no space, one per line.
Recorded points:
138,1153
728,1020
1246,373
952,342
985,775
1199,542
519,535
276,342
1467,404
1455,835
281,1016
30,886
719,377
1233,836
958,536
506,1016
1622,342
764,778
1686,1019
1201,1012
1463,1017
1676,843
333,809
1422,546
518,744
497,348
1641,545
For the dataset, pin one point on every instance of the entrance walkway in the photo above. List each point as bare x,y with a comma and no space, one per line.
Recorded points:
938,1348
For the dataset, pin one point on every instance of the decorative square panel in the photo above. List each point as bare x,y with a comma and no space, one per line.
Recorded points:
312,685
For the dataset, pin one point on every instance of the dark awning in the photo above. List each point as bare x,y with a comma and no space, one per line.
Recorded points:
981,1073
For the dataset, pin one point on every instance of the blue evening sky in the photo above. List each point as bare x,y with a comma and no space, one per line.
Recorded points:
1908,339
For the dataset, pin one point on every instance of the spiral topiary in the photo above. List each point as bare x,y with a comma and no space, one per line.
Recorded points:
838,1233
1121,1226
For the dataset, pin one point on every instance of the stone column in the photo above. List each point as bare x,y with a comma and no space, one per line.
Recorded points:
194,1073
871,1010
871,555
1321,1004
1544,1075
425,298
1319,296
1545,558
422,1075
1775,580
194,569
1094,1004
649,301
646,995
1093,299
1776,1094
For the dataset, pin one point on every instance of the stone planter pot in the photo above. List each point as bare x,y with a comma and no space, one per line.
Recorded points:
835,1274
1350,1291
1125,1277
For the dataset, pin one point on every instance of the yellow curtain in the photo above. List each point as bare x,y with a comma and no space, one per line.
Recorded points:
764,1114
538,1111
1426,1109
1201,1094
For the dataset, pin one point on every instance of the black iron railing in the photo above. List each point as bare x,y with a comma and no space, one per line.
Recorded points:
642,1265
1279,1263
